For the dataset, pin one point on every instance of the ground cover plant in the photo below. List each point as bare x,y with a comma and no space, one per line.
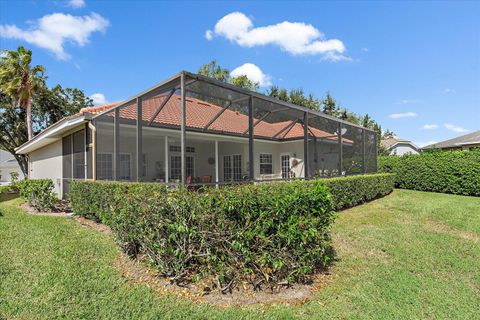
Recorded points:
456,172
409,255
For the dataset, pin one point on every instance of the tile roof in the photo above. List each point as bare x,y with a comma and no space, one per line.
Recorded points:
387,143
471,138
200,113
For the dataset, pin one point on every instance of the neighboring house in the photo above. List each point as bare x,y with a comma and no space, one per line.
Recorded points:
8,164
218,134
465,142
399,147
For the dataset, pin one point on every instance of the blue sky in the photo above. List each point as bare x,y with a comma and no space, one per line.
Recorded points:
413,66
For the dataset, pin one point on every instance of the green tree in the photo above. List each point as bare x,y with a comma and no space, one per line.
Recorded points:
215,71
19,80
330,106
244,82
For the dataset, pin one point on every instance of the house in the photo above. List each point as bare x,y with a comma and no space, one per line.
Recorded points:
8,164
191,129
399,147
465,142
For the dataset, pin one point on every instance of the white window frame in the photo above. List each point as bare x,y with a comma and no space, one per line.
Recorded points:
234,176
120,178
289,165
260,163
170,167
98,166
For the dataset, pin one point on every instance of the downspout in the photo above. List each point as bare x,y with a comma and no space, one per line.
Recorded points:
94,148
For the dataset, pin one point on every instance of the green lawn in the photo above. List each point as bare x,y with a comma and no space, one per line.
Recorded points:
409,255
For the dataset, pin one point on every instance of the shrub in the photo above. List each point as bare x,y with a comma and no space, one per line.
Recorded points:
456,172
263,234
353,190
38,192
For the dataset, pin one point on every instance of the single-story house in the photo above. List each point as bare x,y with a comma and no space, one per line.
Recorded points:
399,147
8,164
191,129
465,142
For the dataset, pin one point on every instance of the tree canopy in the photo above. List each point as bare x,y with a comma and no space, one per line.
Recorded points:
47,105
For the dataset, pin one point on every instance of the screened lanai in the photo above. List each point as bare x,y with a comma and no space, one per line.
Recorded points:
191,129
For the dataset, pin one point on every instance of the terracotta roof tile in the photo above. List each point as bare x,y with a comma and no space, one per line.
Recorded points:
200,113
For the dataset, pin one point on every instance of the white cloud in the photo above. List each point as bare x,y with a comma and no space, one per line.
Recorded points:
98,98
52,31
409,101
454,128
76,3
430,126
296,38
253,72
403,115
449,90
365,49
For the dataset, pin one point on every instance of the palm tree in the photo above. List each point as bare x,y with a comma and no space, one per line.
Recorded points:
19,80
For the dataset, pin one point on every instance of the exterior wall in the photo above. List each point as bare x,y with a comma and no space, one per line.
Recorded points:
403,148
46,163
8,164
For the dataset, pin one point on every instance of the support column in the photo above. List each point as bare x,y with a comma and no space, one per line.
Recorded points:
340,151
166,160
305,146
217,178
364,167
139,139
116,145
182,128
250,139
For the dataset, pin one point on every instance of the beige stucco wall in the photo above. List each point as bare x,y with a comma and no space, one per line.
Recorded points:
46,163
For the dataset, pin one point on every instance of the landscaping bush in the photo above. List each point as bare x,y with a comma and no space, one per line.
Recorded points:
456,172
38,192
264,234
353,190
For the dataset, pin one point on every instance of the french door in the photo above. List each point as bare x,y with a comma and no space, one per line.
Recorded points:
285,161
232,167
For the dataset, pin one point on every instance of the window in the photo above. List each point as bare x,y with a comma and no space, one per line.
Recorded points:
232,167
285,166
176,166
104,166
125,168
189,166
227,168
237,167
266,163
179,149
79,154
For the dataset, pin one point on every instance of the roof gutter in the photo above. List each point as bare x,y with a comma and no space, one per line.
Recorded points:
51,133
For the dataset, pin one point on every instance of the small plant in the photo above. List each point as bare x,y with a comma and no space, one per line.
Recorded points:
38,192
13,177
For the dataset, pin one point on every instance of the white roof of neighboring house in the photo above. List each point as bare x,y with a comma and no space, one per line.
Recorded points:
391,143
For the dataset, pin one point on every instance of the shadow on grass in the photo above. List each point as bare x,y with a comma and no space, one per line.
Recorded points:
8,196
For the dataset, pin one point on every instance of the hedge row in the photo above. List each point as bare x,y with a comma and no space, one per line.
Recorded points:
456,172
353,190
38,192
263,234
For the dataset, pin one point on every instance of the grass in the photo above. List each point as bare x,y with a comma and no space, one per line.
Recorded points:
409,255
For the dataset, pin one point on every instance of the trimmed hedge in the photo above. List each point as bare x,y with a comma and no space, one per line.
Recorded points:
456,172
354,190
263,234
38,192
